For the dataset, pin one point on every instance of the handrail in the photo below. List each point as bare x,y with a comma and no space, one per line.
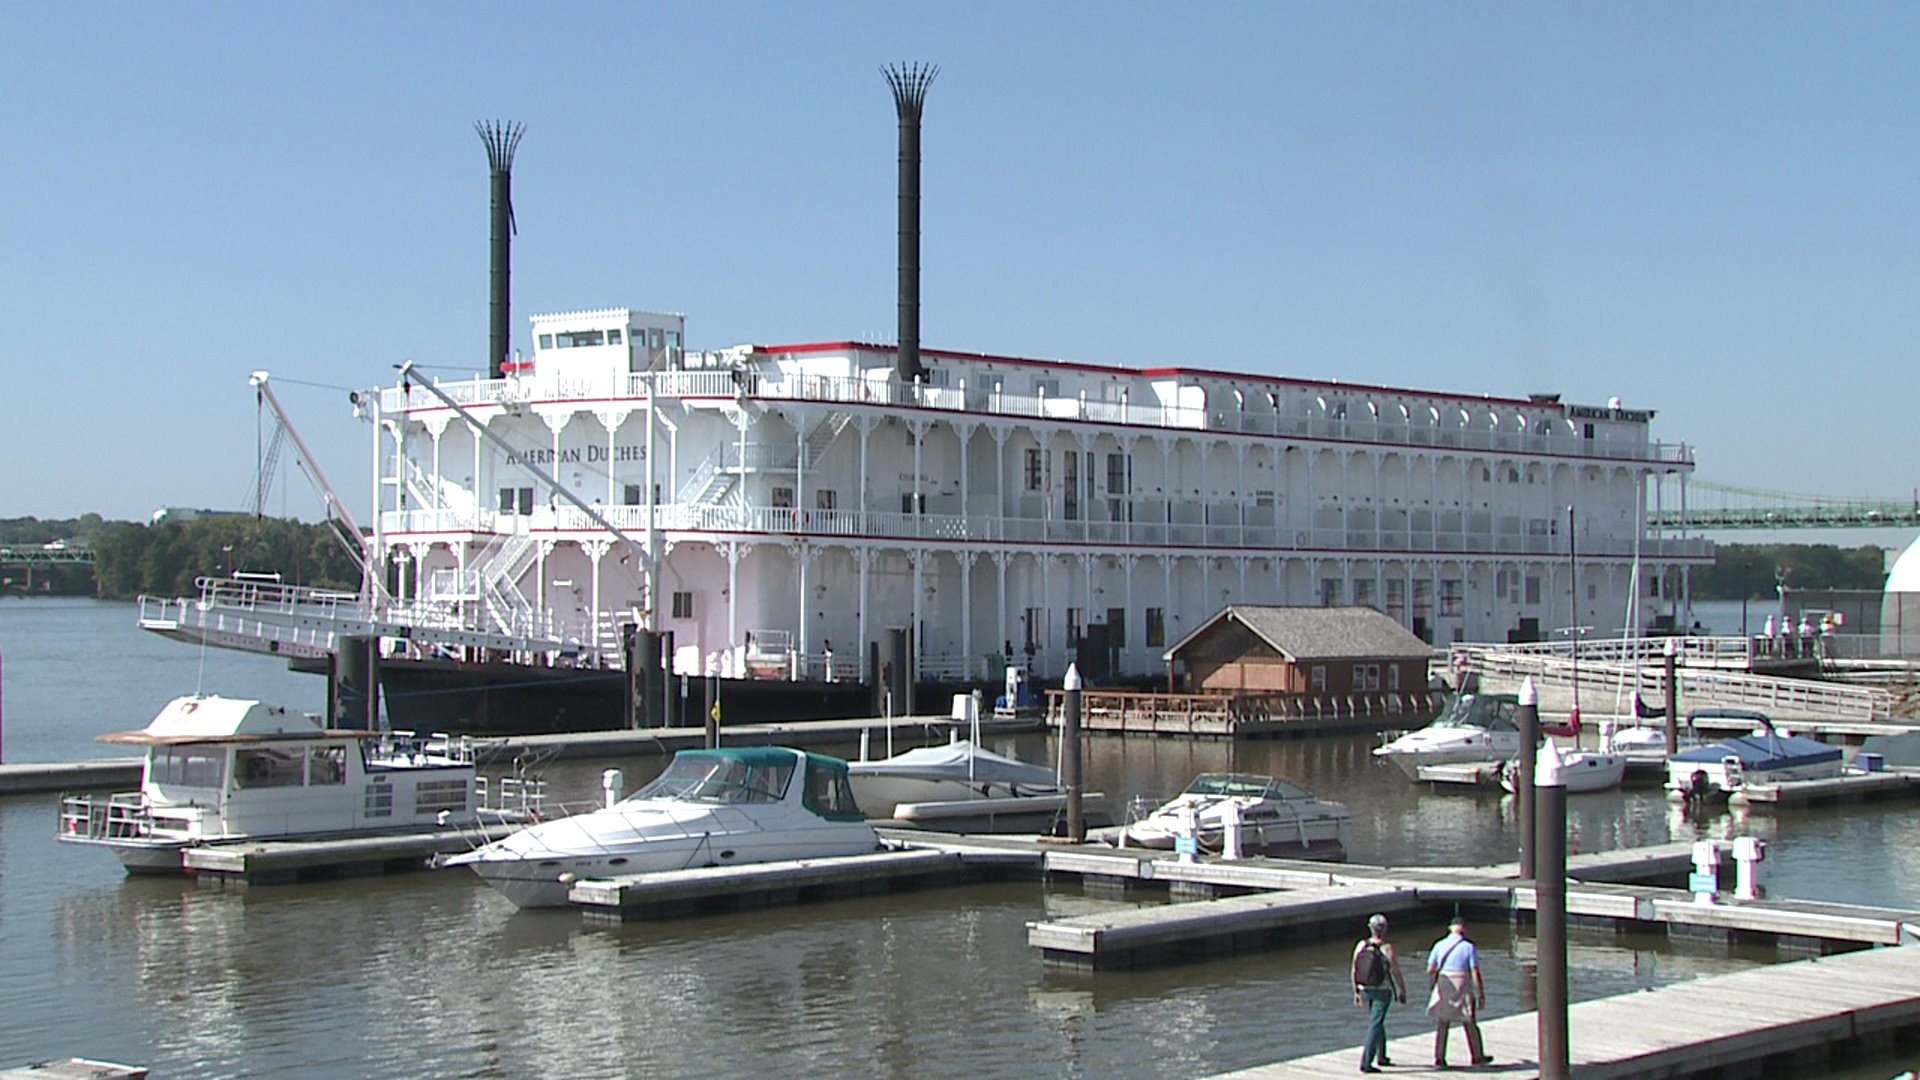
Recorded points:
518,390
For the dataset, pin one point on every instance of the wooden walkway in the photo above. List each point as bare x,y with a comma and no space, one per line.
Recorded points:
1789,1015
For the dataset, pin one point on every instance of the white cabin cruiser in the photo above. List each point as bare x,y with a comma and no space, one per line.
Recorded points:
957,780
1717,768
1473,727
224,769
1581,771
717,807
1278,818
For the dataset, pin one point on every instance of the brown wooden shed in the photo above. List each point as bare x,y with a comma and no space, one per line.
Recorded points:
1253,649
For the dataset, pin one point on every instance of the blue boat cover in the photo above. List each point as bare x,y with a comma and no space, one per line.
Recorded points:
1768,750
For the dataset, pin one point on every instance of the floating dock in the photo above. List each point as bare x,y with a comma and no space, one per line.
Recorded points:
280,862
46,779
1850,787
1787,1019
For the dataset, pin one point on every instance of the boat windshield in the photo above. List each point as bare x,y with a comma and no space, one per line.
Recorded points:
1246,785
708,778
1493,712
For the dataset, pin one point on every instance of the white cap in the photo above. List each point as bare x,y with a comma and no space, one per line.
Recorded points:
1529,694
1548,769
1072,679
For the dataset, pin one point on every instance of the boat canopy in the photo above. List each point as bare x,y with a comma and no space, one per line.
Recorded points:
1494,712
217,719
1247,785
958,761
755,774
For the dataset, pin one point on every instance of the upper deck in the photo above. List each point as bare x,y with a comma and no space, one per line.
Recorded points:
578,361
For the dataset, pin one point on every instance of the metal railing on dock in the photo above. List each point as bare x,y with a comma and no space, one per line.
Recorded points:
1230,715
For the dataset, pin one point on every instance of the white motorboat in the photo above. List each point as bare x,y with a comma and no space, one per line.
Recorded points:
224,769
1472,727
1717,768
1583,770
957,779
1277,818
718,807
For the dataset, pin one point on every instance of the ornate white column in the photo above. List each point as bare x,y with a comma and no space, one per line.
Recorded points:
596,550
967,555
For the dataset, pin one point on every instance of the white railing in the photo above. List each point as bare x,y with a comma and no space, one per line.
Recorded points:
1700,682
751,382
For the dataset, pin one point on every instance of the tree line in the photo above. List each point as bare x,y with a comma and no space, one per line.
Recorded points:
165,558
1746,571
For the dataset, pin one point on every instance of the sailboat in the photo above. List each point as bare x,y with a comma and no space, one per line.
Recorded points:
1585,770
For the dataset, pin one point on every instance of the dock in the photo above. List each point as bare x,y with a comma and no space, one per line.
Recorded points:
908,732
279,862
49,778
1787,1018
1849,787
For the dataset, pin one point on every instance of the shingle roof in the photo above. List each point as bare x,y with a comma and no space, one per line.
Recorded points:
1320,633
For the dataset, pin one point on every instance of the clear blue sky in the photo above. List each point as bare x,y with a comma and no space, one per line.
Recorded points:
1707,209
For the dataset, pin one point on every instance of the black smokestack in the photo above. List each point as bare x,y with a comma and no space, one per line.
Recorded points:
502,140
909,83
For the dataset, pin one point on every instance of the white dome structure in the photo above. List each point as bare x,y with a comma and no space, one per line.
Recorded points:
1900,606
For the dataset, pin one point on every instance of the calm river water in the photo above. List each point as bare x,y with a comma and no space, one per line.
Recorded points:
431,974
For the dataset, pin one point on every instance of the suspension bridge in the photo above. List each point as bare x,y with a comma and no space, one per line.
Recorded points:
1713,506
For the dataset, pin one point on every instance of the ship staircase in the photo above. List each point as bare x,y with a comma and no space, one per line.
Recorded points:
1710,671
299,622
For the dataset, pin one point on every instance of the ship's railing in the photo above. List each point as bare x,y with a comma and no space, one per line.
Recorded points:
517,390
120,816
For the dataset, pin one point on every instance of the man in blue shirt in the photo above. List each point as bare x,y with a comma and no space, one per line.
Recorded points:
1458,992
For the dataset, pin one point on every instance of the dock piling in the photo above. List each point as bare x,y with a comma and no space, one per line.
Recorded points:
1528,717
1550,914
1671,653
1070,756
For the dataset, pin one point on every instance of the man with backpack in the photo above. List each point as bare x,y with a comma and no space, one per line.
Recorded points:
1377,982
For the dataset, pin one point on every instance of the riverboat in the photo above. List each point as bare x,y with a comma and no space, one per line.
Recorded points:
1000,509
220,770
712,807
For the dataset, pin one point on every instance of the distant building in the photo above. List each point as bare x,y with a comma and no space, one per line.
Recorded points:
1255,649
1900,606
180,515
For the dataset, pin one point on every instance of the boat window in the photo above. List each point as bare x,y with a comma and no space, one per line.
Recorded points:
718,779
613,337
828,792
188,767
580,339
326,765
546,341
269,766
433,796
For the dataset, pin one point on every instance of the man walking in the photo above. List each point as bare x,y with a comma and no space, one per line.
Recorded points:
1376,983
1458,992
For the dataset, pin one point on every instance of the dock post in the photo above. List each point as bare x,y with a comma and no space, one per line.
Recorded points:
713,711
633,689
1672,652
1550,914
1070,756
663,647
1528,718
355,685
1748,853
